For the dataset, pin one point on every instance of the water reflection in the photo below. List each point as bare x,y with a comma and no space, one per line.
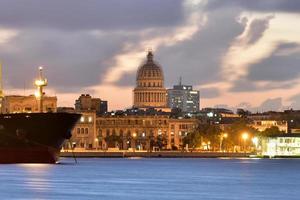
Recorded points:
150,179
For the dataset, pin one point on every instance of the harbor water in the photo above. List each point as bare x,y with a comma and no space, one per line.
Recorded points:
153,179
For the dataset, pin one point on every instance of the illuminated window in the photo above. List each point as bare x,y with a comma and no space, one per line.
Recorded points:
90,119
82,119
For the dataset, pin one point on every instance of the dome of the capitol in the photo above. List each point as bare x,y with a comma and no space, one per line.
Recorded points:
149,90
150,69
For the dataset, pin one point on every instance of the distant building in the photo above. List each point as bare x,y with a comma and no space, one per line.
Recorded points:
150,91
130,129
262,125
184,98
142,131
86,103
66,109
20,104
84,132
280,145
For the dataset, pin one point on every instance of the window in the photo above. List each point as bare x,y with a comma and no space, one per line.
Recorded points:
86,131
100,133
82,119
82,130
78,130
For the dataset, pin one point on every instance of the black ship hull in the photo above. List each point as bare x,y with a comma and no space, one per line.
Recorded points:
34,137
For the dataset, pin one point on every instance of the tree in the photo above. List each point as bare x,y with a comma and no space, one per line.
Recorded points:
161,141
243,113
236,130
192,139
270,131
203,133
113,140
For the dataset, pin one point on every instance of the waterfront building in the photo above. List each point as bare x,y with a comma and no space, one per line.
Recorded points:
183,97
282,145
19,104
86,103
262,125
142,131
150,91
84,132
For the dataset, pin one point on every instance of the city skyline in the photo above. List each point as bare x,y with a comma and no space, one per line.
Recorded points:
237,53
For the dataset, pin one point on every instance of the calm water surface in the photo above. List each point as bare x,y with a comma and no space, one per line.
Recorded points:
153,179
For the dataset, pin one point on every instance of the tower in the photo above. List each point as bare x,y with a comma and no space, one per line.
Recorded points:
40,83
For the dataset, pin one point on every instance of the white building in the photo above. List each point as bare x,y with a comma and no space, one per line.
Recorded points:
281,145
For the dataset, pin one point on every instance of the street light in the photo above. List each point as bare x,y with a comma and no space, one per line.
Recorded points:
255,141
223,135
133,141
245,137
97,143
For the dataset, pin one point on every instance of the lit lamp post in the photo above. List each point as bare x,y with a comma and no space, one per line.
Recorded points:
245,137
133,142
222,137
97,143
255,142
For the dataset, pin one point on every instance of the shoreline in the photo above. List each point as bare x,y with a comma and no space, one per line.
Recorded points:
158,154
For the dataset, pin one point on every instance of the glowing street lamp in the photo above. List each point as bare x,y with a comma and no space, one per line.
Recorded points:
222,137
133,141
97,143
245,137
255,141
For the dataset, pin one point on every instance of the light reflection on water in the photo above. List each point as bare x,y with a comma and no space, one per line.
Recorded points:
153,178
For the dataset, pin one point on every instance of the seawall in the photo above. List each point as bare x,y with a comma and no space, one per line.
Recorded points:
160,154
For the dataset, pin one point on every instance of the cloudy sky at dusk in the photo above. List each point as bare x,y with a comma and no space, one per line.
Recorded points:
238,53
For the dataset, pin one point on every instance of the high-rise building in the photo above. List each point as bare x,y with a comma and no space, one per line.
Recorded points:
150,91
183,97
86,103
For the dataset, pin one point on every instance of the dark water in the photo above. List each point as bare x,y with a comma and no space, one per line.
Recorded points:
153,179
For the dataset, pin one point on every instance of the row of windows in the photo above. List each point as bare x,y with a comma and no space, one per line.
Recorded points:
150,73
132,122
86,119
150,84
137,133
82,131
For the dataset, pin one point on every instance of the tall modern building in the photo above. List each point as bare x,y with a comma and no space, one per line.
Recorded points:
184,98
150,91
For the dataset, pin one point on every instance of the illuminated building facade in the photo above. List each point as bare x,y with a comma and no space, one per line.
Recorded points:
20,104
142,131
281,145
262,125
84,133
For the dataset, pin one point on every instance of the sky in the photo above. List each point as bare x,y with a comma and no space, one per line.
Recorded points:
238,53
